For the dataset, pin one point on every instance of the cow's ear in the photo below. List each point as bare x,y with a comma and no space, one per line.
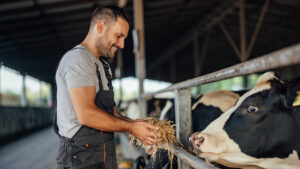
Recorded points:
293,91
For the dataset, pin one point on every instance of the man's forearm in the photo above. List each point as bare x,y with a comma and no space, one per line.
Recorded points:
117,114
101,120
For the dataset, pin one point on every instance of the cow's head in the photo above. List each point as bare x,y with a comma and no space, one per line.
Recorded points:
262,125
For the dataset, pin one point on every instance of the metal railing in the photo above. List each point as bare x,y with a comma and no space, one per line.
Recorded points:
281,58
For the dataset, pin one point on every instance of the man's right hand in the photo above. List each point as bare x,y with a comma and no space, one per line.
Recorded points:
143,131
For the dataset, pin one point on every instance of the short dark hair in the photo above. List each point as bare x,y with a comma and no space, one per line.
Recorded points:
109,13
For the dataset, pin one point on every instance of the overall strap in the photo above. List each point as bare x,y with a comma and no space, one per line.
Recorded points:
99,77
107,72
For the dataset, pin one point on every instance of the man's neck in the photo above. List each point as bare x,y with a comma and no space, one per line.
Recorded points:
90,47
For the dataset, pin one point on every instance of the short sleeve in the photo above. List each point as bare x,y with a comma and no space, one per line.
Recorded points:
77,69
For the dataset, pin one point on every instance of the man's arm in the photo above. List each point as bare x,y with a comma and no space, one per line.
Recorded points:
117,114
90,115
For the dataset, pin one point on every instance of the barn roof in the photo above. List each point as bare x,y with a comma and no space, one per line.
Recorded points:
34,34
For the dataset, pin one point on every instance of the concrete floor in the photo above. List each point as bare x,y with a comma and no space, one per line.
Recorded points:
38,151
35,151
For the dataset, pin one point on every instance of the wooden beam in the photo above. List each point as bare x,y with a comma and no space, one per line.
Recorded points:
49,6
119,72
257,28
230,40
140,70
226,8
243,36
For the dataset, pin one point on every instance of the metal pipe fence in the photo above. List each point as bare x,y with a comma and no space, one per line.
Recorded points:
281,58
284,57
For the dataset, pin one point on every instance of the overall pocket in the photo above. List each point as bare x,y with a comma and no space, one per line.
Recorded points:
86,155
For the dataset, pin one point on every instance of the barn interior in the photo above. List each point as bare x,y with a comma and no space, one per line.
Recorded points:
183,39
36,33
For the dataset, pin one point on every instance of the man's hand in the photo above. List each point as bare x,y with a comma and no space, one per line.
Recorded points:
142,131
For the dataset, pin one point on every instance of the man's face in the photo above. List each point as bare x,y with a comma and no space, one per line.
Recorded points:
114,37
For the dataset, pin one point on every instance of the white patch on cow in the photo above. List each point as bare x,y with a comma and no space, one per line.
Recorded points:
223,99
241,160
166,108
266,77
219,147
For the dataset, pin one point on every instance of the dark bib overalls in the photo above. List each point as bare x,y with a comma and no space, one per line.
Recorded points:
90,148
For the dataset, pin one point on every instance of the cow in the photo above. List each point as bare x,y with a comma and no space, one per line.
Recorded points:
262,130
205,109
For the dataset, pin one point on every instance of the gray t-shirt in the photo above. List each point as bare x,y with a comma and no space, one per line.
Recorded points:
76,69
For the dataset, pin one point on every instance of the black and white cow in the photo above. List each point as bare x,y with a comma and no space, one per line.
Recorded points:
205,109
261,131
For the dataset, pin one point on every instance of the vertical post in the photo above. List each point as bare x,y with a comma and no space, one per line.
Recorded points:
23,96
243,30
119,72
245,81
140,51
40,93
183,116
0,85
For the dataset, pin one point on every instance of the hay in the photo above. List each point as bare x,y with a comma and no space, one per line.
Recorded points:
166,132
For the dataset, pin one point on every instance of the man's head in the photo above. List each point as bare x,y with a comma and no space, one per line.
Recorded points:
109,27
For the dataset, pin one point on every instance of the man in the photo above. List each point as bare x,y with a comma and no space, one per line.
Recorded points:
86,118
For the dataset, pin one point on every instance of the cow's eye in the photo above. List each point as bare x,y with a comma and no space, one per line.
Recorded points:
252,109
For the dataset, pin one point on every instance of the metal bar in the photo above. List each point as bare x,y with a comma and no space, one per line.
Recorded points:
230,40
257,28
284,57
192,160
243,30
183,118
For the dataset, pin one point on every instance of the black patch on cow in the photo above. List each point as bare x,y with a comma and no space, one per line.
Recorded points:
271,131
161,161
203,115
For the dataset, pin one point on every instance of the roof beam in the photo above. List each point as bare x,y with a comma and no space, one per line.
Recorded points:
49,6
243,33
257,28
188,37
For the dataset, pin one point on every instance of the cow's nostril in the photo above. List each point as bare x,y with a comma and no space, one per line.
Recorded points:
199,141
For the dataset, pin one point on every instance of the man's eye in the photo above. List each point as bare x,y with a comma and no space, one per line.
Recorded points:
252,109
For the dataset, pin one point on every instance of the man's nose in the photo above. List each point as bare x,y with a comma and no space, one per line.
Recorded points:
120,44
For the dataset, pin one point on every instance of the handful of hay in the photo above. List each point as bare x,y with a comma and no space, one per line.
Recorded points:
166,132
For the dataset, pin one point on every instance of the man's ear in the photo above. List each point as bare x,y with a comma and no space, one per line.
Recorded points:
293,91
101,28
